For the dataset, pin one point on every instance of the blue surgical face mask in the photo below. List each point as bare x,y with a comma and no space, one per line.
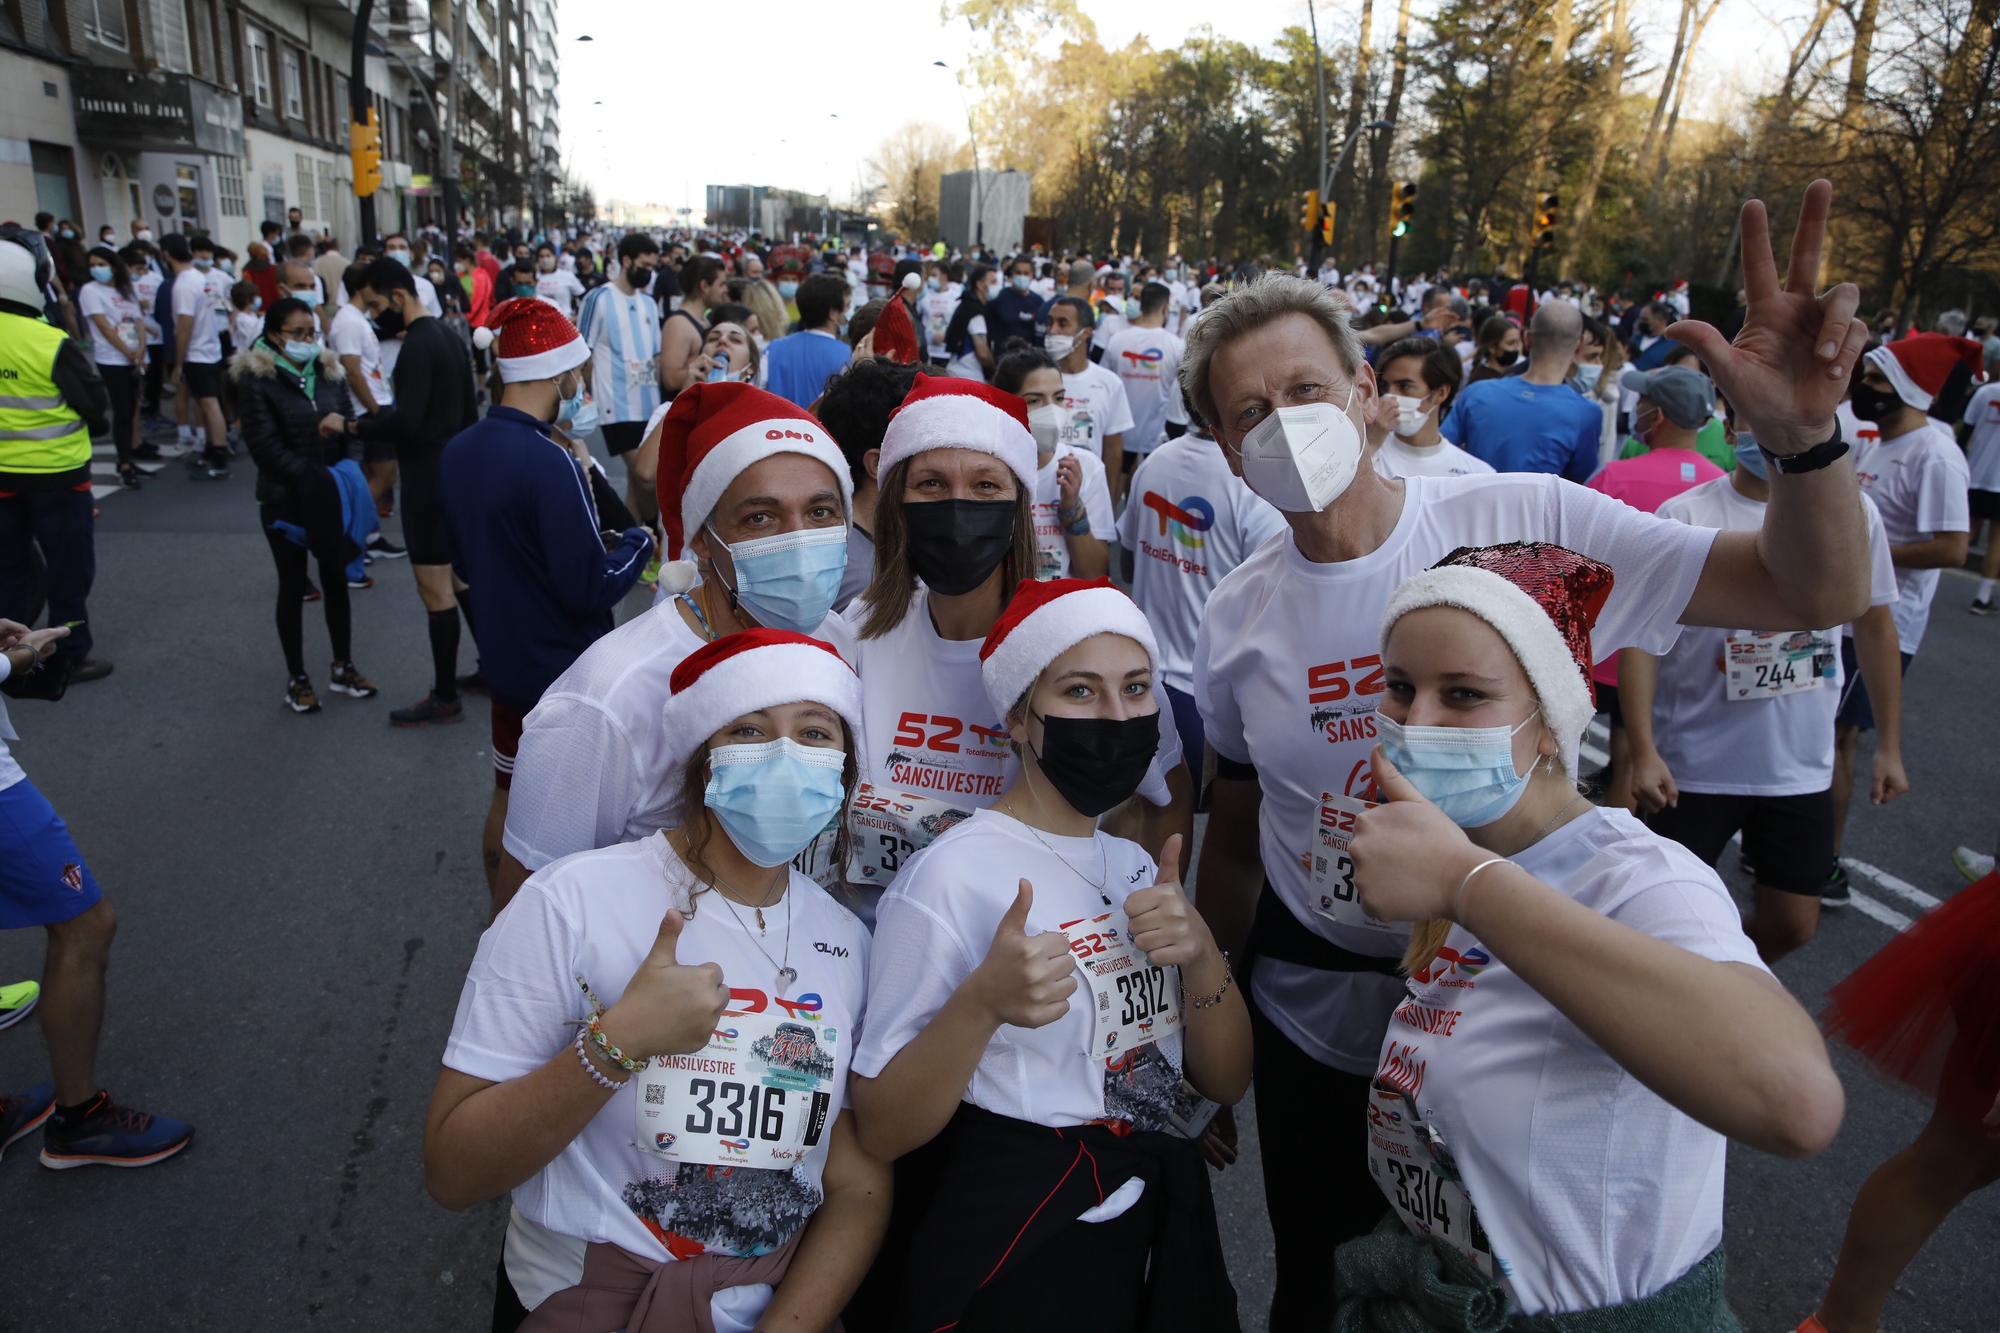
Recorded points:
1587,377
299,353
789,581
578,414
773,799
1467,772
788,290
204,263
1750,457
1021,281
100,273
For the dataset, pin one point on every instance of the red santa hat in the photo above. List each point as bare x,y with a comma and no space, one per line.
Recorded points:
751,670
1045,620
537,341
1544,601
710,435
945,412
1918,366
895,337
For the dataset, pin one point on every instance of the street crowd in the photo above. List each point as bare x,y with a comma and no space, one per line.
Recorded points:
851,959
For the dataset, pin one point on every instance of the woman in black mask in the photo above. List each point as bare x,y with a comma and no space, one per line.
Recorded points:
1498,349
1050,1023
954,535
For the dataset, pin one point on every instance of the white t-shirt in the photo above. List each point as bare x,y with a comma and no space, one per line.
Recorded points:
1097,407
934,311
560,289
192,300
596,915
1593,1191
1188,522
218,284
1982,415
966,365
1109,326
1397,457
245,327
146,289
1288,671
353,335
427,296
1096,494
1753,747
1147,363
120,311
1919,482
592,767
934,927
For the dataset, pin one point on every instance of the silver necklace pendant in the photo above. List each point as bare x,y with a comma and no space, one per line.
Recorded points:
786,976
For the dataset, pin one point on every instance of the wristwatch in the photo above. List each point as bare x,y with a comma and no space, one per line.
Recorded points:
1813,459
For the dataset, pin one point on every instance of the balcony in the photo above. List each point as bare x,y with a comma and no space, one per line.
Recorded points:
476,24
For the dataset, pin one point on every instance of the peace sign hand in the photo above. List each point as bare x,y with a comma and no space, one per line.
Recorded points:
1789,366
1408,856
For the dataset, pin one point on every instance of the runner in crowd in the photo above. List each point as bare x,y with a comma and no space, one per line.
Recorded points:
198,357
1099,414
966,340
1547,1130
109,305
1290,716
1420,378
1073,523
727,1189
1146,358
1981,434
1531,422
982,1044
621,324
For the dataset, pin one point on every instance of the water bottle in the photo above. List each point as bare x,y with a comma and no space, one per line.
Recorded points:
719,372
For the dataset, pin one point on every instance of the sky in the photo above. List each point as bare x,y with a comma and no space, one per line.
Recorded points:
633,139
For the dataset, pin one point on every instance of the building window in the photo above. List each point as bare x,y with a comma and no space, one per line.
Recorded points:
229,186
170,36
260,63
295,106
308,206
326,191
104,22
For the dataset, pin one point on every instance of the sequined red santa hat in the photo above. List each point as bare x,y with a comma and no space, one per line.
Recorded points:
537,341
1918,366
1046,619
751,670
1544,601
895,337
945,412
710,435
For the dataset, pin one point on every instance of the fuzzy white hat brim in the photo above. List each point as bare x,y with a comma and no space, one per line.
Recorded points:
1014,665
752,444
544,365
783,673
1906,388
959,421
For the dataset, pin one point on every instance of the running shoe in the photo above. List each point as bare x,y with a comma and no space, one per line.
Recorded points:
1973,865
428,711
213,464
22,1113
107,1134
128,476
299,696
89,669
312,594
382,547
1983,606
148,452
473,680
364,582
347,679
1837,893
17,1001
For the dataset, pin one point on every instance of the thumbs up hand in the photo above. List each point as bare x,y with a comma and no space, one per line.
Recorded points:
1025,980
1408,855
1164,923
669,1007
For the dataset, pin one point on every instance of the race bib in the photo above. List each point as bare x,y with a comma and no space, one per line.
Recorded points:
759,1094
1331,872
886,828
1051,563
1768,664
638,372
1133,1003
1407,1157
816,862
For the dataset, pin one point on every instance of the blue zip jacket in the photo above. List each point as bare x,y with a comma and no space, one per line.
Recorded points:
525,538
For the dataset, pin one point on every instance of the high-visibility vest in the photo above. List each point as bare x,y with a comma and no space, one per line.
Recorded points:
39,432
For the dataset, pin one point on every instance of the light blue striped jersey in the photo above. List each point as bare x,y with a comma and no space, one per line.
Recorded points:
624,337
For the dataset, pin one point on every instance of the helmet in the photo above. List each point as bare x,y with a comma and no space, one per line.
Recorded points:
22,273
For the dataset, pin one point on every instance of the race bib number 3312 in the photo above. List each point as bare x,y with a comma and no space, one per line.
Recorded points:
1132,1001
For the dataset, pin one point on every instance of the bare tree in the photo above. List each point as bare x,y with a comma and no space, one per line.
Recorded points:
1617,56
1667,83
1680,90
908,168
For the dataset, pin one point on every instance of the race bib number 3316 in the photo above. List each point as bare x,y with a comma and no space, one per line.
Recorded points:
759,1094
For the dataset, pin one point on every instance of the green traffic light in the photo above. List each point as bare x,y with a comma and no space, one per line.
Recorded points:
1402,229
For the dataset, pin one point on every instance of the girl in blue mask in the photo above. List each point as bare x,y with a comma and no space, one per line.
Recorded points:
651,1051
1586,1022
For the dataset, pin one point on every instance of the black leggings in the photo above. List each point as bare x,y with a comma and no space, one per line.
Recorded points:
329,546
123,387
156,370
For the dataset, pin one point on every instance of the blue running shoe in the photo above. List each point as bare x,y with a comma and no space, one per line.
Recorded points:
107,1134
22,1113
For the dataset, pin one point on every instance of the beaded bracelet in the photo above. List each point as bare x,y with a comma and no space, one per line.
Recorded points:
596,1075
1228,980
610,1052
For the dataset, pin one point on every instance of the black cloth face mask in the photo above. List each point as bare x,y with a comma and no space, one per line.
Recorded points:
1096,763
956,544
1871,404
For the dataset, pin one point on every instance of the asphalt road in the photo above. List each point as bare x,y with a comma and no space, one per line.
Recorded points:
299,897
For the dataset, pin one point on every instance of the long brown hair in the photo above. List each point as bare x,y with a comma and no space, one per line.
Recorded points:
697,825
895,582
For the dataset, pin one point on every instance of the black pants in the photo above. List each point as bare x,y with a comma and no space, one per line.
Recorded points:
156,371
328,545
1317,1196
60,521
123,386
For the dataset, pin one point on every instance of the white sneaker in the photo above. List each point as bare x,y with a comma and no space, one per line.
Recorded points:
1973,865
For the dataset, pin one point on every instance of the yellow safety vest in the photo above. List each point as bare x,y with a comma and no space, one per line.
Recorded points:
39,432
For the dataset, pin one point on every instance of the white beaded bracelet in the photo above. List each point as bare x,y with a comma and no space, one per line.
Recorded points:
597,1075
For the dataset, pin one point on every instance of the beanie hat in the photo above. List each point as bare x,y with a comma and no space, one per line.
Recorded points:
759,668
895,336
710,435
1918,366
1543,600
945,412
537,341
1046,619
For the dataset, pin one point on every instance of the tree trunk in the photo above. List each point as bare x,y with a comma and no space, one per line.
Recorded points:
1680,91
1667,83
1562,32
1857,67
1357,100
1378,147
1802,53
1607,125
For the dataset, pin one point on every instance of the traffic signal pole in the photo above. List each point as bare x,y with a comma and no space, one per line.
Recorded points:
359,116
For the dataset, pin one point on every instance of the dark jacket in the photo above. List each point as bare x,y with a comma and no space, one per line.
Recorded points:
281,425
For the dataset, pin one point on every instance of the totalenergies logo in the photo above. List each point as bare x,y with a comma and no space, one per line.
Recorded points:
723,1037
1151,356
807,1006
1184,522
734,1147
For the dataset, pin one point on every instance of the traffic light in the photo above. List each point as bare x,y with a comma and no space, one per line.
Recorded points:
1326,224
1545,220
1403,208
1310,217
364,147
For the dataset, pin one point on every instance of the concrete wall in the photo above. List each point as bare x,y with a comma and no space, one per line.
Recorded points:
28,112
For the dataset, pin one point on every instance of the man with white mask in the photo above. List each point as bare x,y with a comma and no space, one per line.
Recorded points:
1288,668
1419,378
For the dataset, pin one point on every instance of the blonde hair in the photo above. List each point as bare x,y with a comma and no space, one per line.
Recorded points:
1249,308
768,306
